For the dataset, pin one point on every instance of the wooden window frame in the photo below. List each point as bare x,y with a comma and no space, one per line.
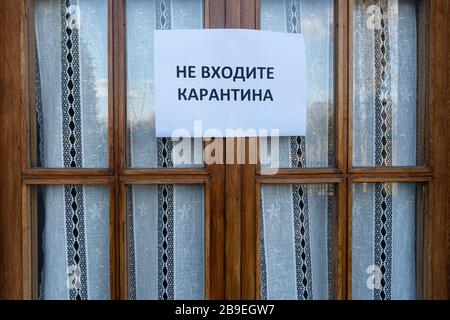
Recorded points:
233,229
433,284
117,175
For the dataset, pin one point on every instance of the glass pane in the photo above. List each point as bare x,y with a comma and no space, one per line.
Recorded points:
385,230
297,227
315,20
166,227
73,242
71,77
143,17
385,83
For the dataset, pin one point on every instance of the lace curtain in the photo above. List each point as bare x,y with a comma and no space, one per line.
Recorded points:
298,222
315,20
298,242
385,134
71,113
143,17
385,83
384,241
166,222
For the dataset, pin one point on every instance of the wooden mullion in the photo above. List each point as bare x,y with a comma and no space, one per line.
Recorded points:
114,253
111,86
217,256
257,270
164,172
349,236
343,144
342,268
162,180
342,83
122,244
421,216
249,19
114,248
249,213
293,171
299,179
66,173
28,130
27,251
216,276
119,147
393,170
209,271
233,248
233,193
385,178
69,180
423,118
350,88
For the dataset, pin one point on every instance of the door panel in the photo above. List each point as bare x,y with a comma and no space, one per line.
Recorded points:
231,199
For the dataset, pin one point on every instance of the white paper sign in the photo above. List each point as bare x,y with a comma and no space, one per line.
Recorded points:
209,83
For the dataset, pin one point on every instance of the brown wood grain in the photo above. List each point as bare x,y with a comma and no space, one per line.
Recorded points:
11,101
437,253
120,151
342,234
232,197
233,194
447,93
215,12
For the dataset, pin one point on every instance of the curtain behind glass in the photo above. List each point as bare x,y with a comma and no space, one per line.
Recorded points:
73,226
384,241
297,227
145,150
72,132
385,83
72,83
315,20
296,224
165,222
166,242
385,46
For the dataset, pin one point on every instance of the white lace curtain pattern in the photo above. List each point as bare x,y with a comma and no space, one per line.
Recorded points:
71,97
72,112
166,222
384,241
385,83
315,20
297,222
385,125
298,242
385,135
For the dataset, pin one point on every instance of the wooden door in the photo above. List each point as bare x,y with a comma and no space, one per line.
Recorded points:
234,197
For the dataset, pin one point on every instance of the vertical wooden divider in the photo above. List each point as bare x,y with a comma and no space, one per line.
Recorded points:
249,19
215,18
